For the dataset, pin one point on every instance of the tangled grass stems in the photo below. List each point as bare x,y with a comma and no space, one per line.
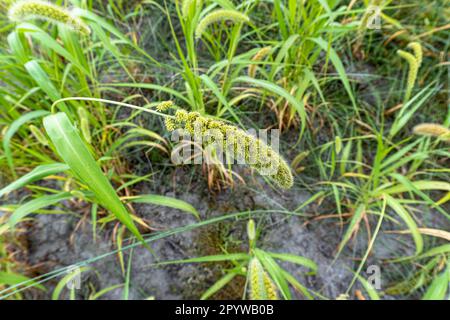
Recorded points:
220,15
26,9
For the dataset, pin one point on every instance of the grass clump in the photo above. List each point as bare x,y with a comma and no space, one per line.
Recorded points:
86,125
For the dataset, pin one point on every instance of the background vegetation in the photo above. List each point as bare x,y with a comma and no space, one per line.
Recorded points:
87,179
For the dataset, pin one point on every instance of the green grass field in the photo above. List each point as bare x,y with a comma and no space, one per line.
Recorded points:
349,197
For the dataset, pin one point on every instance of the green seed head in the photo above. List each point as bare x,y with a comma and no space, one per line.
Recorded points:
84,124
417,49
170,124
219,15
26,9
252,150
412,74
164,106
261,286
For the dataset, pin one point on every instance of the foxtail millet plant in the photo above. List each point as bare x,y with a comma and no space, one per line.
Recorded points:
414,62
255,152
23,10
219,15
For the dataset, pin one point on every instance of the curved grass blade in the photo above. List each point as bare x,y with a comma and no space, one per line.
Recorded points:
371,291
63,283
297,285
219,284
164,201
44,82
419,185
36,204
49,43
104,291
295,259
37,173
357,216
76,155
10,279
406,217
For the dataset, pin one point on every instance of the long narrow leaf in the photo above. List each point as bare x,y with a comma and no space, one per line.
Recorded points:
38,173
354,222
76,155
36,204
10,279
164,201
406,217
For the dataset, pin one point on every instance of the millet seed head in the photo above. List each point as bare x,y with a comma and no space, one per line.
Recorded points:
26,9
256,153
